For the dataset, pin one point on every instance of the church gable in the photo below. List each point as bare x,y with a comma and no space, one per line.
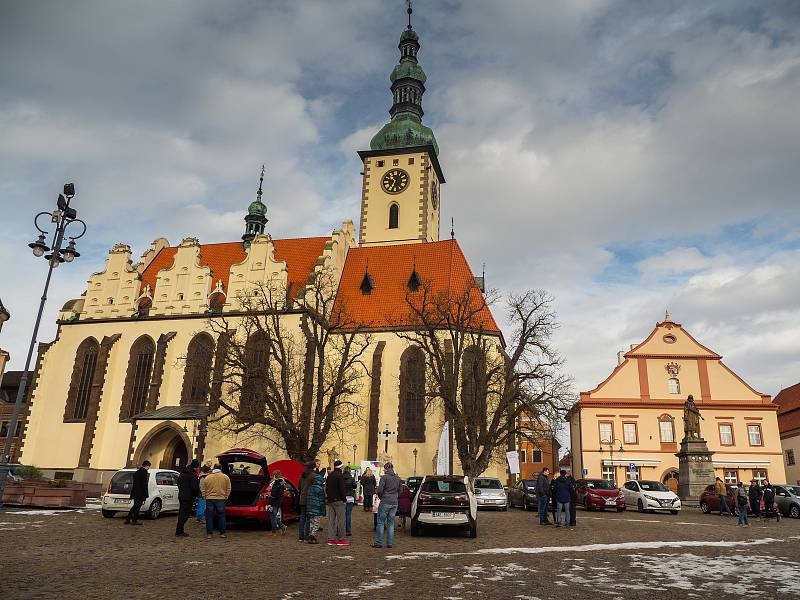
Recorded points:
112,292
258,270
183,287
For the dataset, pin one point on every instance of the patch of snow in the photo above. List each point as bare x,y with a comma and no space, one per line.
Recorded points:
366,587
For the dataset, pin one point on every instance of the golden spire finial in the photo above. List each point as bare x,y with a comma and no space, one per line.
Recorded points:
667,318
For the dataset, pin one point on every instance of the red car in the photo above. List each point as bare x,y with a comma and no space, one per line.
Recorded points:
709,501
599,494
250,477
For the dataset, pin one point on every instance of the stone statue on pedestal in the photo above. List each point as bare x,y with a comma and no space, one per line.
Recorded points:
695,468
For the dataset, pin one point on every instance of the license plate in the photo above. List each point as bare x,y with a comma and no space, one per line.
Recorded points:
611,501
443,515
666,503
121,500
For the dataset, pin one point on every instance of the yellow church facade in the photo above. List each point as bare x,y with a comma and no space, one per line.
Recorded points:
635,416
117,385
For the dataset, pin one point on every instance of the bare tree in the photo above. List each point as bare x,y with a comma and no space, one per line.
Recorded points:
292,368
494,391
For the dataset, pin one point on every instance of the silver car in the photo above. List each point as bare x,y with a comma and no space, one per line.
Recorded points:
490,493
787,497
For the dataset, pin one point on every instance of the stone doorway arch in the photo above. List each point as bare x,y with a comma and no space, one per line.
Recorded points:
166,446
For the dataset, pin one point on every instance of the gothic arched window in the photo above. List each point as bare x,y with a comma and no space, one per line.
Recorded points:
411,426
197,376
394,216
256,354
137,380
473,387
80,387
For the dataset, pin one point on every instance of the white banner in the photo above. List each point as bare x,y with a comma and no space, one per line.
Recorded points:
443,459
513,462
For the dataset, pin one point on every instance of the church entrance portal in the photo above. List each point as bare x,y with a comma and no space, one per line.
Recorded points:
166,447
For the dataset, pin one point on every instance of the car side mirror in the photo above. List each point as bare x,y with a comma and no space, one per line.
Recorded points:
477,492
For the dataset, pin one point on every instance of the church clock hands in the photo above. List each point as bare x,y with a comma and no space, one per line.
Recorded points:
395,181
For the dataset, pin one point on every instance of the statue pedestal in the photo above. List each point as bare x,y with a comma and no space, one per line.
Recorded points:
695,470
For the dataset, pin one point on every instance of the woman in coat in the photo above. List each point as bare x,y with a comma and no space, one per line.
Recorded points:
404,504
315,506
368,485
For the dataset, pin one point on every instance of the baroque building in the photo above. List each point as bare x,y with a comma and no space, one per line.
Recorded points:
145,363
639,408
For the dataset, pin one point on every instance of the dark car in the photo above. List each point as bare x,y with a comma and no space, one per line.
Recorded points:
445,501
250,477
523,494
709,501
594,494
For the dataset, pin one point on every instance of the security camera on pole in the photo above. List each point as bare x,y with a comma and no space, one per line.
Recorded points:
61,218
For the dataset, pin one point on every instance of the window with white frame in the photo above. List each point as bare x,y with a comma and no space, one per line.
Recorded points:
673,385
754,434
726,434
608,472
629,433
606,432
666,429
760,476
731,477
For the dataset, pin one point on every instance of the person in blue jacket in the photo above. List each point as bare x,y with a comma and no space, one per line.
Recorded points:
315,506
563,494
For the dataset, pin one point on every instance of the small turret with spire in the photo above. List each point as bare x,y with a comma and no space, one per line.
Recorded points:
256,217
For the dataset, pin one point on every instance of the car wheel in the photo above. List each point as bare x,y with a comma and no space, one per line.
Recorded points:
639,505
108,514
673,512
473,530
794,511
620,509
525,504
415,528
586,504
154,510
705,508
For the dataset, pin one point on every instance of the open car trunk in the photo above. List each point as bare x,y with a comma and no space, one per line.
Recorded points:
249,474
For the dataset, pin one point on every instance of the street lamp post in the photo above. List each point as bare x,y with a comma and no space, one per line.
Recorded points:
61,218
610,445
355,447
415,460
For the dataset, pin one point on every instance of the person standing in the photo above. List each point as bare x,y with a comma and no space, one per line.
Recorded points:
404,502
388,493
306,480
722,493
216,488
315,506
139,492
755,493
368,484
561,492
741,504
188,490
573,499
542,489
200,515
336,497
276,492
350,485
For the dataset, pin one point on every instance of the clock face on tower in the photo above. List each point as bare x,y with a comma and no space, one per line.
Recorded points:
395,181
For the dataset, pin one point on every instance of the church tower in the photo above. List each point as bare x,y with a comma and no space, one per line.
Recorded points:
400,198
256,217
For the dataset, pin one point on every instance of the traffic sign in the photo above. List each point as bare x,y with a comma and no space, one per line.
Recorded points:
585,472
632,468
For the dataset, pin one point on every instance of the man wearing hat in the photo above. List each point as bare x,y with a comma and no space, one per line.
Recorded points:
336,497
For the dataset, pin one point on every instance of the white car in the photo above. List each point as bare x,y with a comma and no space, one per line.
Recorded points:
650,496
490,493
162,493
445,500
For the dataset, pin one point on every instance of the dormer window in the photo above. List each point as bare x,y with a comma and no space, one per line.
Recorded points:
413,281
180,296
367,284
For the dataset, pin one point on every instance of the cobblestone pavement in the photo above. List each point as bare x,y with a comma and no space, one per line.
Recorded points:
79,554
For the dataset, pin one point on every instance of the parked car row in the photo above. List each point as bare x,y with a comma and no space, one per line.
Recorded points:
787,500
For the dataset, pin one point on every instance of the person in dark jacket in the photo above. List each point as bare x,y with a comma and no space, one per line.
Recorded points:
755,494
306,480
315,506
350,485
388,493
139,493
336,497
562,493
188,491
277,490
404,501
542,489
368,484
573,499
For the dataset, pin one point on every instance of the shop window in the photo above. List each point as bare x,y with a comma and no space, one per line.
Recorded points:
726,434
731,477
754,434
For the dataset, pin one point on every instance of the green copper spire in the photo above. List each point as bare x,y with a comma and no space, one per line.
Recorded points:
256,217
406,130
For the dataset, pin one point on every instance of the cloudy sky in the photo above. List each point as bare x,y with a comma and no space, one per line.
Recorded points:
626,156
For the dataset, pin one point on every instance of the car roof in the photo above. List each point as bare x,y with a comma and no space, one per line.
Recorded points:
489,478
444,477
159,470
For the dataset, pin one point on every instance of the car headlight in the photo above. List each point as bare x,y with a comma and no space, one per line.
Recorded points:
651,498
621,496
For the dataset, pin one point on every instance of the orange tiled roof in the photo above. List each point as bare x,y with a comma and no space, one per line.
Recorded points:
441,263
300,255
788,401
